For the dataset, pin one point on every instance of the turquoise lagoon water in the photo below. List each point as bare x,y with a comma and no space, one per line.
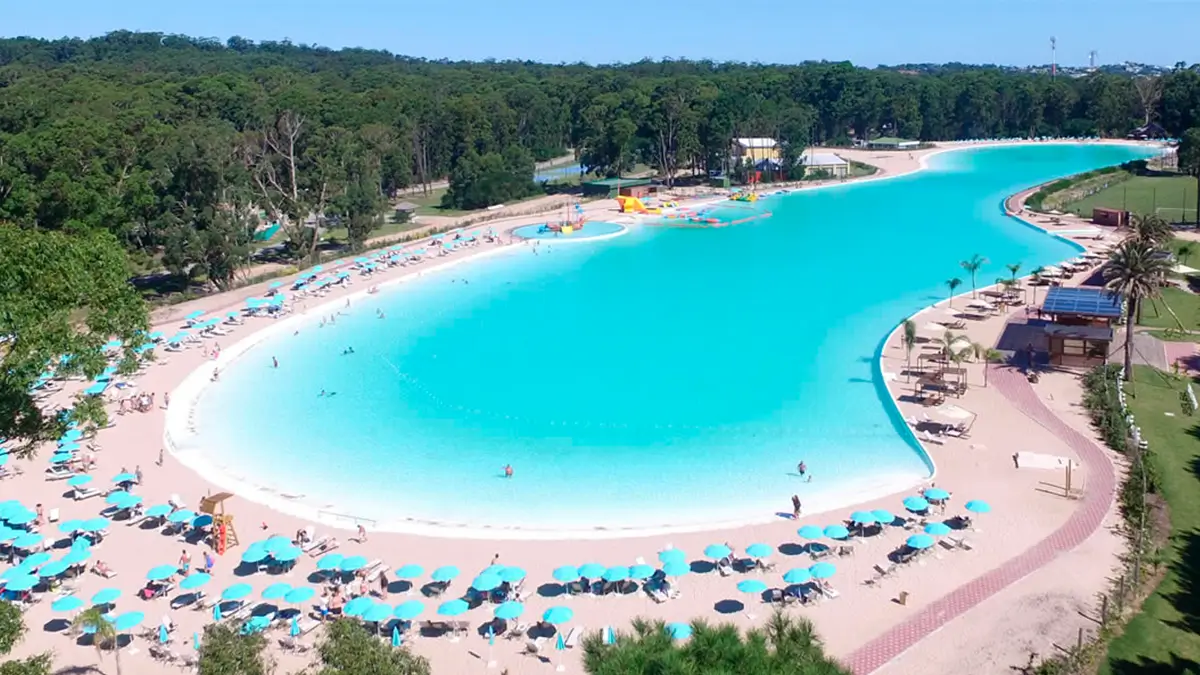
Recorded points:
668,377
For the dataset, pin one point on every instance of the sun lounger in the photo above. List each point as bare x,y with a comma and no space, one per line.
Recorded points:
725,567
314,543
59,472
658,594
533,646
374,569
517,632
573,636
307,625
324,548
828,591
81,493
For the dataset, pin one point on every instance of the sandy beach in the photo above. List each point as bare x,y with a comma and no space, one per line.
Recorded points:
995,631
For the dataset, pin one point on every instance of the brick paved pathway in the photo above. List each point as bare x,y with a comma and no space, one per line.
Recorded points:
1087,519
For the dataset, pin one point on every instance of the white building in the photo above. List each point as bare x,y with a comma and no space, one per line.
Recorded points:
829,162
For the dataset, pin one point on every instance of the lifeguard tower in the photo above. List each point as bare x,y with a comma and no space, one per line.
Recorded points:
224,536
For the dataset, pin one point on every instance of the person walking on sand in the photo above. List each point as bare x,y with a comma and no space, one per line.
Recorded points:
208,563
802,468
362,534
795,507
383,585
160,457
274,362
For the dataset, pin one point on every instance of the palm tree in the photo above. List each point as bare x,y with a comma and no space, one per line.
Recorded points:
952,284
103,632
1185,251
1014,268
972,266
1036,281
910,340
785,645
987,355
1135,271
1151,229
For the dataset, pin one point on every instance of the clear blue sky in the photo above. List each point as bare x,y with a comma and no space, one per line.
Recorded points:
867,32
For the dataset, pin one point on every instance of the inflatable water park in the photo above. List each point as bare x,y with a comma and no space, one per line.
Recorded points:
707,216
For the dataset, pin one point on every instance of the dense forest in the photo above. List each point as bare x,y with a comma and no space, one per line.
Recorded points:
181,147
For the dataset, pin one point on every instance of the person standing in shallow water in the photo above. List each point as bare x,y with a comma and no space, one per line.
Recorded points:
795,507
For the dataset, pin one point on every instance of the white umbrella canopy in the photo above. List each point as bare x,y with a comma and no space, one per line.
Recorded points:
934,327
951,411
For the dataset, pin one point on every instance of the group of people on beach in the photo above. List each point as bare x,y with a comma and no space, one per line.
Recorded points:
142,402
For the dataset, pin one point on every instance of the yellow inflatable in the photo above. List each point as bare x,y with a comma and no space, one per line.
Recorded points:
634,205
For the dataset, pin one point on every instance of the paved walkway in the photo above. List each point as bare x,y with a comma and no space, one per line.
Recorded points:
1087,519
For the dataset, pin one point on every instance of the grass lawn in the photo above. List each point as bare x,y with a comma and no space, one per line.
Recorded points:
1174,336
1165,637
1186,306
1172,197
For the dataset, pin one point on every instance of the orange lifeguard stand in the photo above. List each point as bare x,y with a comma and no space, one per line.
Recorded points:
223,534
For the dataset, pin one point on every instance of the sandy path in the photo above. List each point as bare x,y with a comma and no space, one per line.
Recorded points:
976,468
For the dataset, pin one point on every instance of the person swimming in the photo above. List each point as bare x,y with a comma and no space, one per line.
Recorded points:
347,350
508,471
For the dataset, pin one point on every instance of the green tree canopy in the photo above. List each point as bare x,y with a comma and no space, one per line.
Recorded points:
12,630
785,646
225,651
348,649
62,296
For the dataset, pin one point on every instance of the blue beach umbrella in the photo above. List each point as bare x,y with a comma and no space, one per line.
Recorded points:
409,571
275,284
978,506
36,559
163,636
28,539
79,480
276,591
592,570
217,612
67,603
512,574
159,511
73,435
106,596
676,568
299,595
759,551
124,478
822,570
566,573
358,605
61,458
919,541
353,563
236,592
617,573
181,516
485,582
445,573
396,640
837,532
679,631
751,586
294,631
194,315
610,637
194,580
558,614
202,520
453,607
286,554
22,517
883,516
916,504
492,569
9,534
21,582
669,555
936,493
937,529
407,611
641,572
797,576
330,562
95,524
254,553
128,621
377,612
811,532
717,551
162,572
77,555
276,543
864,517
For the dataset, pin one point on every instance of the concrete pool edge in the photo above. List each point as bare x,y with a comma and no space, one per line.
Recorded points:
176,428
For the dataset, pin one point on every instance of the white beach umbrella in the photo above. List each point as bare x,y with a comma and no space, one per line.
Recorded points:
951,411
934,327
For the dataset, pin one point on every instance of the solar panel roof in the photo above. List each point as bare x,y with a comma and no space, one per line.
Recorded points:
1082,302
